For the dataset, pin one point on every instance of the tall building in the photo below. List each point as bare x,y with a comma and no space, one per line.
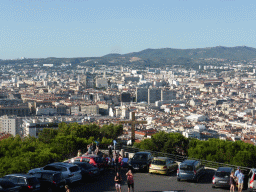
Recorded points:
168,95
125,97
11,124
141,94
154,94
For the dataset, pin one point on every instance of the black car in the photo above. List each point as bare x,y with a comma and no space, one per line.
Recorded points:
221,177
140,161
49,180
88,171
28,183
8,186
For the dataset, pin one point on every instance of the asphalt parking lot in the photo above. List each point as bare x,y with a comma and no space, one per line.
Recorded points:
148,182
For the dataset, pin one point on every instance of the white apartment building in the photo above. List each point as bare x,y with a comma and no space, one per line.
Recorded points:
11,124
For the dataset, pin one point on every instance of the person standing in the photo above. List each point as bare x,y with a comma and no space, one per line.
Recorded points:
79,153
240,178
67,188
232,182
118,180
130,180
120,160
236,174
110,151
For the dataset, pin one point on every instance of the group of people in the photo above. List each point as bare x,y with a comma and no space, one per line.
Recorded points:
237,177
93,149
130,181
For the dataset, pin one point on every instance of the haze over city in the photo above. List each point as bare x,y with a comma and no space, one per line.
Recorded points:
64,28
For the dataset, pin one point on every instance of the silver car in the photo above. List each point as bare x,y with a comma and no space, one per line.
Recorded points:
221,177
70,172
190,170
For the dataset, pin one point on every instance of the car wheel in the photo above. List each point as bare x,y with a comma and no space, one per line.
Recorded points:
178,179
213,186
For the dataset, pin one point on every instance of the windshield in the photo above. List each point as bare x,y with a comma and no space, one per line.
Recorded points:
158,162
140,157
222,174
186,167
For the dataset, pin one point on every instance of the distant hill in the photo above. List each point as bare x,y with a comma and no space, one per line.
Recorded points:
153,57
232,53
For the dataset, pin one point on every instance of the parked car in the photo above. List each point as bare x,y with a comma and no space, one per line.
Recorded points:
252,180
28,183
49,180
190,170
88,171
96,161
221,178
8,186
140,161
71,173
162,165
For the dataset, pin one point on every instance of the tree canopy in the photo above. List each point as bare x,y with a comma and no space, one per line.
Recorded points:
18,155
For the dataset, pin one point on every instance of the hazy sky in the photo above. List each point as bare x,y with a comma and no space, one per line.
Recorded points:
81,28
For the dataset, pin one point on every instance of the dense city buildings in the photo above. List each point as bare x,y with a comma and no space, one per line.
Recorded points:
215,99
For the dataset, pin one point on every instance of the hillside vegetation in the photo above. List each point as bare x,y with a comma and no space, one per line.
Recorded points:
18,155
228,152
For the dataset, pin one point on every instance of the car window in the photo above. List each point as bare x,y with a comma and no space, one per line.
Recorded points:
222,174
37,175
140,156
74,169
51,168
12,179
158,162
21,181
47,176
186,167
63,169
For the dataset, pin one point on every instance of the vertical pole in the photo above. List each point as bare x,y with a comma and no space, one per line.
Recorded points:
133,127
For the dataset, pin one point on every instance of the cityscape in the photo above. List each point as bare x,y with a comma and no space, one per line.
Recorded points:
212,100
127,96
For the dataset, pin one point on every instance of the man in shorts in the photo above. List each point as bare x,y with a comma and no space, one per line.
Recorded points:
240,178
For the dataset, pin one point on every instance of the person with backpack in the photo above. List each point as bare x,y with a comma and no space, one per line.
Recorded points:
130,180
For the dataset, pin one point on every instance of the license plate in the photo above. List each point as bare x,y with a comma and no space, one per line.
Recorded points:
222,181
136,167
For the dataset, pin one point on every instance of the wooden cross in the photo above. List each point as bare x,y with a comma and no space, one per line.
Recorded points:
133,122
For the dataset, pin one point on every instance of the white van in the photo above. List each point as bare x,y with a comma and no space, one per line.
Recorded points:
252,180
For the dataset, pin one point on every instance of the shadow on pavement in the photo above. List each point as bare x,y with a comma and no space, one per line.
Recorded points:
104,183
207,176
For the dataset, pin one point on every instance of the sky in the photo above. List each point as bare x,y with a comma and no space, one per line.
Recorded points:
85,28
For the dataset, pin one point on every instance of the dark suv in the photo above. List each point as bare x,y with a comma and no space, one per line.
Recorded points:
190,170
221,177
49,180
27,182
140,161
